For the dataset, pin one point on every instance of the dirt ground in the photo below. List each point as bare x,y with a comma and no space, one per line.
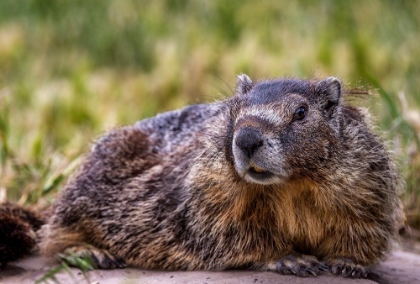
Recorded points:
401,267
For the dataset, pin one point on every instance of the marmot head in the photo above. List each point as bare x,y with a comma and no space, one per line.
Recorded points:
284,129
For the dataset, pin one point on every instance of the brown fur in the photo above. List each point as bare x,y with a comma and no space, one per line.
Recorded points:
17,232
179,191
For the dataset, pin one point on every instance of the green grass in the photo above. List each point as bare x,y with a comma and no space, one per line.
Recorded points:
84,264
72,69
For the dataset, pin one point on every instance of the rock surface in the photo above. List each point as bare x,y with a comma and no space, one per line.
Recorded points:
401,267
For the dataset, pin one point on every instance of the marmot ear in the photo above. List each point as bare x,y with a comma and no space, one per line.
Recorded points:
329,93
243,84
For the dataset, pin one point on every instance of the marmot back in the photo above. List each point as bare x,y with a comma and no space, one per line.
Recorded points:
284,176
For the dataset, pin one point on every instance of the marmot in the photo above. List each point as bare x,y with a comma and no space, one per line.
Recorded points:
284,176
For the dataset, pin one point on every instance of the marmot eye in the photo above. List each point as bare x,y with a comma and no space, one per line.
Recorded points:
300,113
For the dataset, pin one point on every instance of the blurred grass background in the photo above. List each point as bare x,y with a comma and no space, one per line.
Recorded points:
72,69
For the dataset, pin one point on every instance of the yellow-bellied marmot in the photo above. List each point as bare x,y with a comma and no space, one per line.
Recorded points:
284,176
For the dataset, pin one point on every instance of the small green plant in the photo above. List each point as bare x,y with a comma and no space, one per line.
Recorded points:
85,264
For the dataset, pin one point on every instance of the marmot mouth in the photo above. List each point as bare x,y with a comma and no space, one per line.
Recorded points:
256,169
258,173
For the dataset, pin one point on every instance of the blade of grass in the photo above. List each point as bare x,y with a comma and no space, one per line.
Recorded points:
391,104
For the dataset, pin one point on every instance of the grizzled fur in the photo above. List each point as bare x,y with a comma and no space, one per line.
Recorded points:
17,232
284,176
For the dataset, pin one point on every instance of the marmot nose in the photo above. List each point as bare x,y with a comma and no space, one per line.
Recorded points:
249,139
